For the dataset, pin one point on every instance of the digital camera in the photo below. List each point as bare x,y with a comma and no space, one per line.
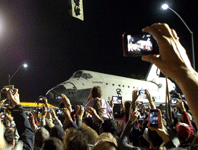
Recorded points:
138,44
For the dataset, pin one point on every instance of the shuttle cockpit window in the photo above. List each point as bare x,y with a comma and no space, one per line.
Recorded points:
78,74
83,75
86,76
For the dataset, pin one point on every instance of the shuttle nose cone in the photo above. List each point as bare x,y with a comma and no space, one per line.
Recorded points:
50,95
53,93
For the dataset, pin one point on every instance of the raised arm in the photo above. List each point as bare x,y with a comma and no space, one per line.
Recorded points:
174,63
22,123
150,99
135,94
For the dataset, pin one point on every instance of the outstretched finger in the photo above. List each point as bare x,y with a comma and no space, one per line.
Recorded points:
160,119
174,34
163,28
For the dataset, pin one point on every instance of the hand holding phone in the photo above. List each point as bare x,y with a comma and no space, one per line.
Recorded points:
133,116
160,129
153,117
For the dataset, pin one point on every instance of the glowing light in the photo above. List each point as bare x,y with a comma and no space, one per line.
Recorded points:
165,6
25,65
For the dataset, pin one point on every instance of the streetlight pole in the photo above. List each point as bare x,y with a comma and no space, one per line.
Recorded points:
10,77
165,6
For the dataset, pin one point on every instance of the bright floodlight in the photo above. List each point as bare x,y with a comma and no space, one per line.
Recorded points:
25,65
165,6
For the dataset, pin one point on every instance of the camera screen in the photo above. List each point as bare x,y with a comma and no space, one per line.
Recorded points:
41,100
153,117
2,116
174,101
141,92
117,100
59,111
58,97
139,44
89,147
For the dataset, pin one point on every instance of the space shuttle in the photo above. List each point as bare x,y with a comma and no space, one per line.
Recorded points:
77,87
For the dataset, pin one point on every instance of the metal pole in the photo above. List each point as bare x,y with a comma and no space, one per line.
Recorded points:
192,38
16,72
8,79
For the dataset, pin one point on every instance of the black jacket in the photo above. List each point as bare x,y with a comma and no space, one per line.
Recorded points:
24,129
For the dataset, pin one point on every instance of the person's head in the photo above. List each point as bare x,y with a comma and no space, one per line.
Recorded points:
154,139
143,142
96,92
98,107
108,136
40,135
57,131
104,144
183,131
52,143
9,135
76,139
110,125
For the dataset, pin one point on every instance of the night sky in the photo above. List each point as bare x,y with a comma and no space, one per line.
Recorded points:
55,45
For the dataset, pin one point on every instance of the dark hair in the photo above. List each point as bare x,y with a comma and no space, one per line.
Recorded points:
143,142
77,139
57,131
40,135
155,138
98,107
9,136
110,125
53,143
96,92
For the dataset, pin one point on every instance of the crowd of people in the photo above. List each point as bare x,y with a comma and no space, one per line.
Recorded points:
92,126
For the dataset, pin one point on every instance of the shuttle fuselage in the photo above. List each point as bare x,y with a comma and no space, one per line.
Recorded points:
78,87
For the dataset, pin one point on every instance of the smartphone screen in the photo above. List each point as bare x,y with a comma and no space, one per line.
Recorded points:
138,45
2,116
59,111
142,92
117,99
174,100
48,109
58,97
153,117
41,99
89,147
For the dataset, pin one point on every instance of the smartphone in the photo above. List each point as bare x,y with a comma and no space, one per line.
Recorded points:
28,115
48,110
174,100
58,97
4,93
142,92
138,44
117,99
41,99
59,111
3,116
89,147
153,117
141,103
85,109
